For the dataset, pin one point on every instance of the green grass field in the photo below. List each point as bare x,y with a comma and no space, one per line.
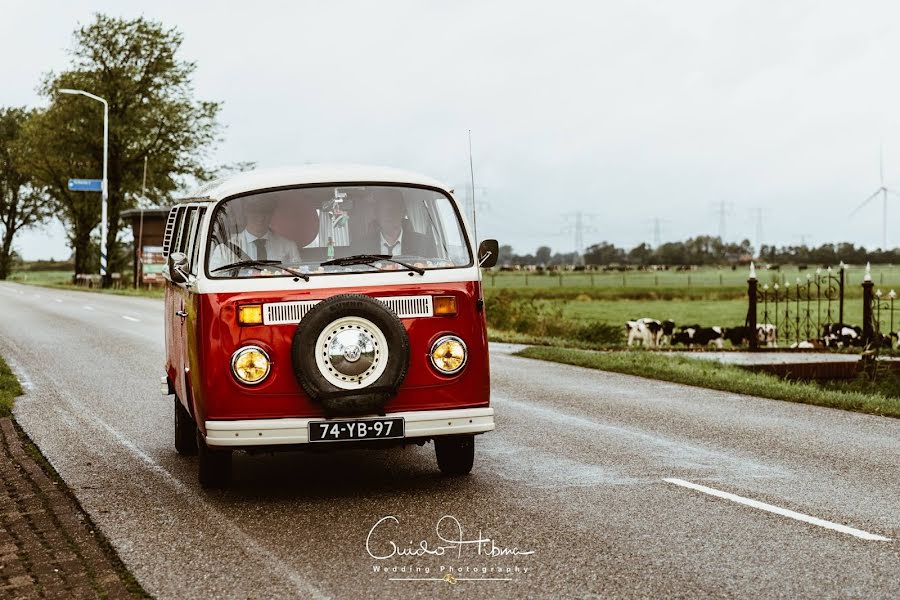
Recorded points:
885,276
875,397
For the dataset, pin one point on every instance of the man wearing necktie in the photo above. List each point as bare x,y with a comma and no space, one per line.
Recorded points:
256,241
394,235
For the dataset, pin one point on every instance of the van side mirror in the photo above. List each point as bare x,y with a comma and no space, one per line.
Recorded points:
178,267
488,253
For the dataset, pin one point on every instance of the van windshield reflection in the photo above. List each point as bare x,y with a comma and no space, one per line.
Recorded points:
324,230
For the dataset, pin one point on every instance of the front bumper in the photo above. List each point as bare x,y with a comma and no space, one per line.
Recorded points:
418,424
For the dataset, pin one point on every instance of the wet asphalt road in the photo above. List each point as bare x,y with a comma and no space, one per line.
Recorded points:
575,473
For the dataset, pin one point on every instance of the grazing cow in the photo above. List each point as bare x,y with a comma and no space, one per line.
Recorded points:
702,336
840,335
766,335
738,336
665,333
809,345
642,330
649,332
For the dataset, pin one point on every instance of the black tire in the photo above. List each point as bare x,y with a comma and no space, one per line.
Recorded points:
213,465
334,400
185,431
455,454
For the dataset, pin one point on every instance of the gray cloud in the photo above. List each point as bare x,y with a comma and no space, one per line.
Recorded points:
629,111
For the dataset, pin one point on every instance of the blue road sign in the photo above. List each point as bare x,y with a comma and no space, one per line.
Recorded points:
85,185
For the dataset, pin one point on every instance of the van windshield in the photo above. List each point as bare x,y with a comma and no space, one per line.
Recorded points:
311,229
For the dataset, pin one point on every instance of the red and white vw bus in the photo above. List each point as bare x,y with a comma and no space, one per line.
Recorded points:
325,307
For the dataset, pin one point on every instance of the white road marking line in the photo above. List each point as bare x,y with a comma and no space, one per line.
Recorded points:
127,318
865,535
58,300
86,307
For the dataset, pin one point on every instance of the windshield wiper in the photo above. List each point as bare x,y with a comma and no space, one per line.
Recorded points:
368,259
262,263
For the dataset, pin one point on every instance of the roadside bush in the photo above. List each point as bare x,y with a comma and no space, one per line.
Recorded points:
509,311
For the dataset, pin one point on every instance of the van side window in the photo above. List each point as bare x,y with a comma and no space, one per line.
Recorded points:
181,239
176,230
196,237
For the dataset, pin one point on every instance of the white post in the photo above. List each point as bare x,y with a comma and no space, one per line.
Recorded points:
104,189
104,226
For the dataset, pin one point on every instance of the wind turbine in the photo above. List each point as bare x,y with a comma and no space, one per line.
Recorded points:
883,192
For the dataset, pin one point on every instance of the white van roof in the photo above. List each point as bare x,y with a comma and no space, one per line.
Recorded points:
260,179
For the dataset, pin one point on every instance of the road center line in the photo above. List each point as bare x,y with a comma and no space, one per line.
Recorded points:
865,535
127,318
86,307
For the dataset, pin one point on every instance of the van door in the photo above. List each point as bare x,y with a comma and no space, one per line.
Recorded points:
190,309
178,312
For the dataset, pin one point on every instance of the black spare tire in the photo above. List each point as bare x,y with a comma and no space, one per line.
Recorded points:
350,353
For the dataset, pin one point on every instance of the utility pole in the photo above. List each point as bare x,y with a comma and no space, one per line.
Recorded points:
723,209
579,227
759,230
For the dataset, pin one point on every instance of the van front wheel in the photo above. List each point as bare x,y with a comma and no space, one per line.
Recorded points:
185,436
214,464
455,454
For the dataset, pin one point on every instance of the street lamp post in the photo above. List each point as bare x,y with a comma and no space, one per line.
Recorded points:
104,190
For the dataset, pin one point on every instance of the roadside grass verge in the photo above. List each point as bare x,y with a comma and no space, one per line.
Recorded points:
139,293
726,378
62,280
9,389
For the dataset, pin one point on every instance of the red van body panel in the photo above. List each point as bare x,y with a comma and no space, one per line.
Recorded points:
212,334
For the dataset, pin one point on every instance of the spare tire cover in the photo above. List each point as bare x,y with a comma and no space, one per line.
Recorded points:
350,353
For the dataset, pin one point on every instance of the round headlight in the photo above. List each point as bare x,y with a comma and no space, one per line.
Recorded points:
448,354
250,364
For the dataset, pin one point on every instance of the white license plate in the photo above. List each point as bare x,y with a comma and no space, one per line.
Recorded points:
357,429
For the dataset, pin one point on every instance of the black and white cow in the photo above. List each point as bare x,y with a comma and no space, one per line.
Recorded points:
808,345
841,335
641,330
702,336
649,332
766,335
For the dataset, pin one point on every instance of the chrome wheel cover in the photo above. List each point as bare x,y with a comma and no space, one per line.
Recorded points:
351,353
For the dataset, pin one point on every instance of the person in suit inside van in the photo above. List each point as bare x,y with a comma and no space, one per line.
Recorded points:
256,241
392,233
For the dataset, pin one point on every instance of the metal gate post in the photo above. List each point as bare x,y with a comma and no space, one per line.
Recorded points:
868,322
752,285
841,298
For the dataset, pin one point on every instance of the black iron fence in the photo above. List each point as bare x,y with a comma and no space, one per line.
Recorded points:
796,312
801,312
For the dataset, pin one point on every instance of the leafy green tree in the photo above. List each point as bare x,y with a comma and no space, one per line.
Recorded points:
22,203
134,65
543,255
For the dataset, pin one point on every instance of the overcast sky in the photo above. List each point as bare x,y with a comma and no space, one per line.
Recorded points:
627,111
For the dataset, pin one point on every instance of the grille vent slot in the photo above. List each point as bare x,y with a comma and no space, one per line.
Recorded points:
406,307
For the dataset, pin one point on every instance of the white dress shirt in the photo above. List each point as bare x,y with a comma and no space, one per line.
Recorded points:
386,248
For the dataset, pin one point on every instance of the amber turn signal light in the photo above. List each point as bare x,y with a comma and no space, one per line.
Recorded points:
250,314
444,305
